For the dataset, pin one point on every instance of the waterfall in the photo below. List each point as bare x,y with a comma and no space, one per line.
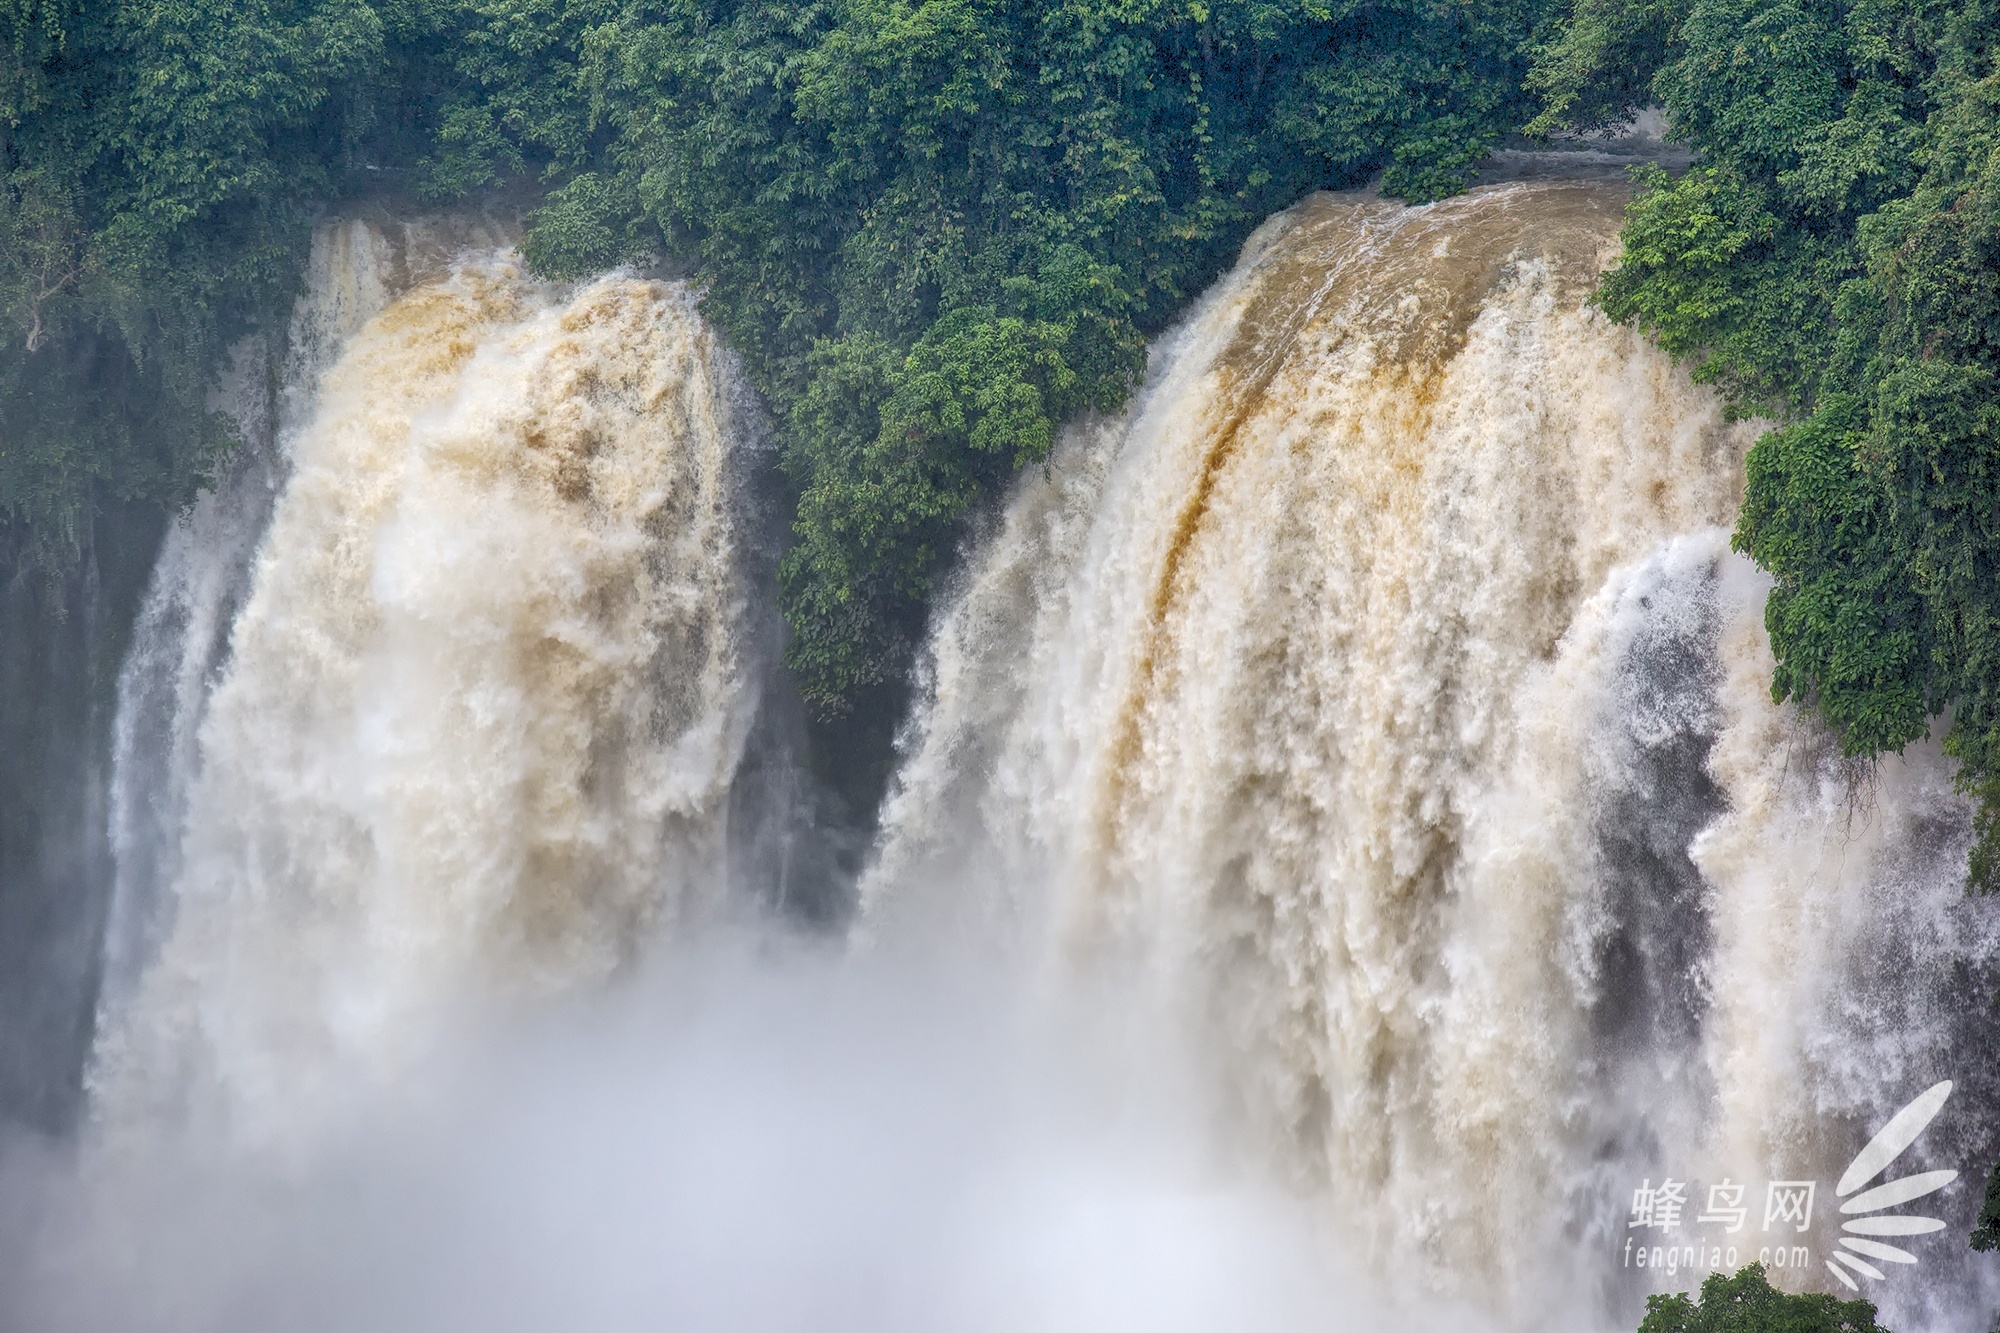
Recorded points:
181,638
1380,694
1343,852
471,729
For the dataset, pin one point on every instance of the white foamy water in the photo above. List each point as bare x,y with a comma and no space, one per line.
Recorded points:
1381,695
1345,844
202,574
482,703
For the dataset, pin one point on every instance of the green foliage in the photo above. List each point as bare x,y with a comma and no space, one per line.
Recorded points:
1720,277
1748,1303
155,163
1598,67
1834,260
494,85
1986,1230
160,165
585,227
936,230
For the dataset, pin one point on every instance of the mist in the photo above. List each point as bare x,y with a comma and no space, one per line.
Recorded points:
748,1134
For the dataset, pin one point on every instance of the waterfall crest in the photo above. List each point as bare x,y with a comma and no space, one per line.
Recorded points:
1381,694
482,701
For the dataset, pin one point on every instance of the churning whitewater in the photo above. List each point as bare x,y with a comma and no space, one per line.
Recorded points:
1343,855
482,705
1382,695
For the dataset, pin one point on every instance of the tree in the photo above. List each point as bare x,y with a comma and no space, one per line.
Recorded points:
1834,260
939,229
935,229
1748,1303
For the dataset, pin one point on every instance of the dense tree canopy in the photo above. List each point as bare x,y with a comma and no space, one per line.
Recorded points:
155,163
1747,1303
940,229
937,229
933,229
1834,260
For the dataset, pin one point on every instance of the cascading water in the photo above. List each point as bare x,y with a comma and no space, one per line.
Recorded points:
483,699
181,639
1352,768
1381,693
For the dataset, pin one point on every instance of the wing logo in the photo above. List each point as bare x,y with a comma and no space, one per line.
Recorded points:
1867,1212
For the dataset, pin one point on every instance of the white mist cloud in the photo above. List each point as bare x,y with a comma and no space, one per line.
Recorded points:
752,1139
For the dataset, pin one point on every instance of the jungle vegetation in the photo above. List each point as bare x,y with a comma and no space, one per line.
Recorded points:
1833,261
935,229
1746,1302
